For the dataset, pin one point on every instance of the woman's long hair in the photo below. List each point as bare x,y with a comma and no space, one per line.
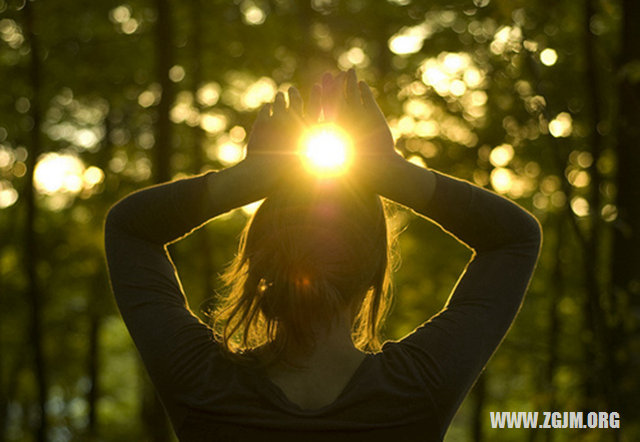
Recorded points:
306,255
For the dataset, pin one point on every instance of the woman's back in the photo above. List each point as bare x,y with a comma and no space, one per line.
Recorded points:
417,381
382,396
319,378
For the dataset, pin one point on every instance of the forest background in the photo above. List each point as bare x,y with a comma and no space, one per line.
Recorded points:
538,101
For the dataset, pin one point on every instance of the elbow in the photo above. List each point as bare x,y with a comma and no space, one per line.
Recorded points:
111,231
534,229
116,218
532,232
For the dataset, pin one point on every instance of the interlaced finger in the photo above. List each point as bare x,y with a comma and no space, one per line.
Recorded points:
315,104
279,105
332,95
295,101
264,113
368,99
352,92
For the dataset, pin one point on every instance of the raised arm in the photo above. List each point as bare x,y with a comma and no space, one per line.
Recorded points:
450,349
164,213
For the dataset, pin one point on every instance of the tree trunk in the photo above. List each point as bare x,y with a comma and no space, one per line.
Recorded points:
205,256
625,261
558,286
164,61
12,386
7,389
154,417
600,381
31,252
93,368
99,292
4,397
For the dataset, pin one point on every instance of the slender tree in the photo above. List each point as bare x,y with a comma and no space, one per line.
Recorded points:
197,55
625,262
154,416
31,250
600,384
164,62
557,282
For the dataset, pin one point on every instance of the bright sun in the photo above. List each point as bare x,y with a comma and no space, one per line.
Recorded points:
326,150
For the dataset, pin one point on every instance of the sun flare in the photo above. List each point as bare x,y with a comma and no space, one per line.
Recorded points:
326,150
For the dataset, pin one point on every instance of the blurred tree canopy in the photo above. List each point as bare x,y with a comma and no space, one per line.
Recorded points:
539,101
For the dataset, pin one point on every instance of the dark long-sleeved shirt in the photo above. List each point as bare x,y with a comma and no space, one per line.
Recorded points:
409,391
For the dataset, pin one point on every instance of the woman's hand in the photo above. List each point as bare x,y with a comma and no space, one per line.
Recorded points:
273,141
377,165
351,105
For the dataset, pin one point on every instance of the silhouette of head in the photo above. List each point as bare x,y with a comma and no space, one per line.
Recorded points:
307,256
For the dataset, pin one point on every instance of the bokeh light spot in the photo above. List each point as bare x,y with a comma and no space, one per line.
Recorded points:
252,14
8,195
548,57
230,153
208,94
561,125
213,122
501,155
65,174
501,180
262,91
580,206
176,73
